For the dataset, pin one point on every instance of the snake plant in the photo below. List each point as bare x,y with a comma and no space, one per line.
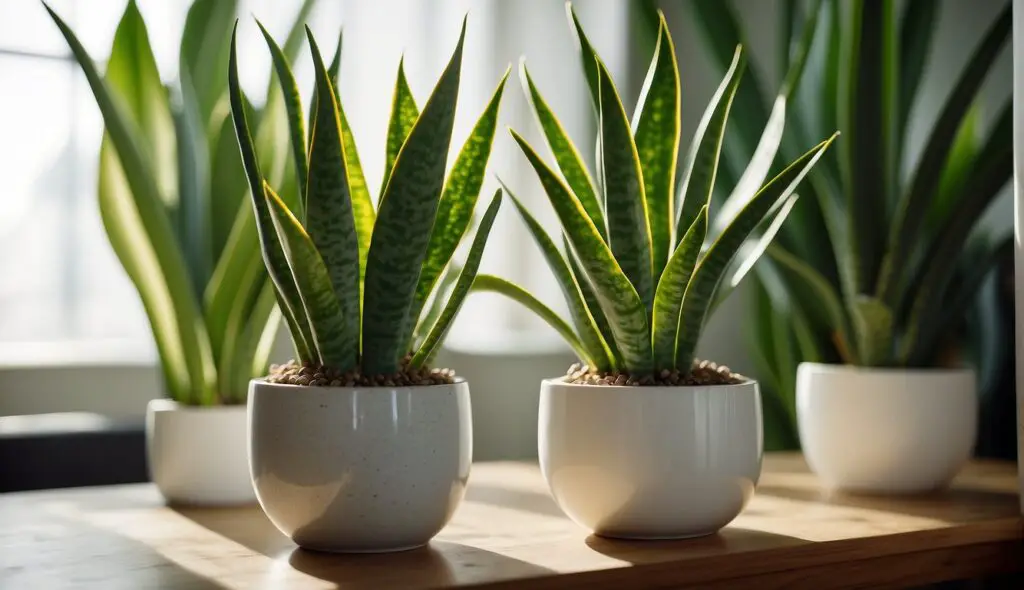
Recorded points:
635,273
883,257
172,200
353,280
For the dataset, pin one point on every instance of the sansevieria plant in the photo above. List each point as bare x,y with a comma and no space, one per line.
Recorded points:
172,199
353,280
882,259
636,275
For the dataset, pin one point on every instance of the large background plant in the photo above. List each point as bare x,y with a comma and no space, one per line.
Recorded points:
172,196
634,271
881,260
354,280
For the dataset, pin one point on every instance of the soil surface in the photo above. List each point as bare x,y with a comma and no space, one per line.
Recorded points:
701,373
312,375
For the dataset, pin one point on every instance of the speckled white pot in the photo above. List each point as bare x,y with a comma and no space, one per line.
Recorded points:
650,462
361,470
197,454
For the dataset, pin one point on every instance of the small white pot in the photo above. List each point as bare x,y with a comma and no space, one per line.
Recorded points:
364,469
886,430
197,454
650,462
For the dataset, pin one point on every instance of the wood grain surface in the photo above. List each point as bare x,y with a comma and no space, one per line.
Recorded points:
508,533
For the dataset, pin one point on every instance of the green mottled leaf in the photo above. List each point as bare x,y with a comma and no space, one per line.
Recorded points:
669,299
455,210
626,313
403,116
872,328
701,163
440,328
656,130
493,284
597,350
404,221
910,211
587,56
273,254
629,232
566,156
363,211
709,271
293,108
329,207
329,326
140,233
592,302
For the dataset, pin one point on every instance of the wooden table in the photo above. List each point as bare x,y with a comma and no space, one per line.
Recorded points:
509,534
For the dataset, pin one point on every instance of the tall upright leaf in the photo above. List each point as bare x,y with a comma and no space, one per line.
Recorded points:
458,201
588,57
293,107
701,164
329,207
273,254
203,56
629,231
669,298
404,219
917,26
656,129
626,312
403,116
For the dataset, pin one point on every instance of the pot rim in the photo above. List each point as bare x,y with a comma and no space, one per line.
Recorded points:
747,382
837,369
166,404
262,381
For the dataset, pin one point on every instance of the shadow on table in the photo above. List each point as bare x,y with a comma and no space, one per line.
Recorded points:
953,505
728,541
440,563
516,499
245,525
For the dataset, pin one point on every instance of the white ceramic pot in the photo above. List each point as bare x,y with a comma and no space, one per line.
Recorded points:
650,462
886,430
197,454
365,469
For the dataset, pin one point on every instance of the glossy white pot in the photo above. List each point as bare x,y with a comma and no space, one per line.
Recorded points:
650,462
363,469
197,454
886,430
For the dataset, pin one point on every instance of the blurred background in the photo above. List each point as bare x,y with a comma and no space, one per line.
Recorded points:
73,335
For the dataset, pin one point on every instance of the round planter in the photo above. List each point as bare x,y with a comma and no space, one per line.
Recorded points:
650,462
886,430
363,469
197,454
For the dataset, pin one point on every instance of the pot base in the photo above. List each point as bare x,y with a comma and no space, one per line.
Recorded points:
362,551
612,536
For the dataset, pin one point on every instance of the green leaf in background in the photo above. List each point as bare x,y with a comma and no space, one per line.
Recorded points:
956,170
462,286
329,208
708,273
256,341
137,223
566,156
597,351
404,219
917,27
656,129
458,201
444,286
493,284
629,232
329,326
669,299
626,313
273,254
701,163
403,116
910,211
872,326
203,56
